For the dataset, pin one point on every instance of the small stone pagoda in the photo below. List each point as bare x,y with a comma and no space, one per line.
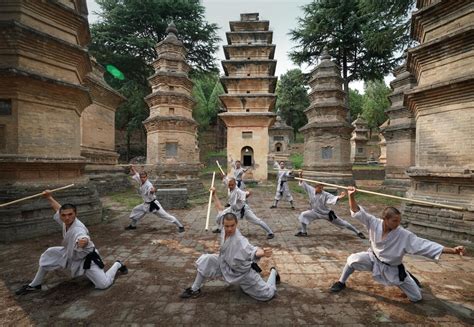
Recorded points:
327,133
280,135
172,146
443,107
249,83
399,134
383,144
44,65
359,139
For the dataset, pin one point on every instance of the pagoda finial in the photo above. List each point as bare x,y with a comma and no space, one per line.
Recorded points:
171,29
325,54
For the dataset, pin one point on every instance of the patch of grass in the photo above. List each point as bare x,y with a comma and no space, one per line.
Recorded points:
222,153
294,187
297,160
299,138
128,198
367,167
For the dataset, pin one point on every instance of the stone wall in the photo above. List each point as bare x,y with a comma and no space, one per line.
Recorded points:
173,198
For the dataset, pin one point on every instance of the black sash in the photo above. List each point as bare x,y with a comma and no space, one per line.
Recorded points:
93,256
332,215
281,187
242,212
239,182
402,272
256,267
153,206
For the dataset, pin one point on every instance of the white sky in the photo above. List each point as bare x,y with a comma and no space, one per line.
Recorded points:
282,15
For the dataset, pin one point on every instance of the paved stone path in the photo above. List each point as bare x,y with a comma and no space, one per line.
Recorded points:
161,266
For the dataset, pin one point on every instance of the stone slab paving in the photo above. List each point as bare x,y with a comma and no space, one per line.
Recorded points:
161,263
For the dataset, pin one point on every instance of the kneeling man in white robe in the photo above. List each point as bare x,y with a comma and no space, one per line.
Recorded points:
389,242
235,264
77,253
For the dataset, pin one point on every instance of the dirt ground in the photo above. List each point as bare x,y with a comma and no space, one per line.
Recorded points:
161,265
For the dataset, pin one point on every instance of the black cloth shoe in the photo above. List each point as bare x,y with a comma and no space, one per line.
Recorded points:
189,293
337,287
293,208
273,207
25,289
130,227
123,269
217,230
277,278
362,236
270,236
301,234
181,229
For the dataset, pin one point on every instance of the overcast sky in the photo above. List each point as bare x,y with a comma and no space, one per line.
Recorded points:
282,15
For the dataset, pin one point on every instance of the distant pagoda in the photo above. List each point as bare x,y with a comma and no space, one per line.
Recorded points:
171,130
249,83
327,134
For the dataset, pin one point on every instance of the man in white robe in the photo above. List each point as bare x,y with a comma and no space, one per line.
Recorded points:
234,264
77,253
389,242
239,207
283,189
151,204
238,173
319,200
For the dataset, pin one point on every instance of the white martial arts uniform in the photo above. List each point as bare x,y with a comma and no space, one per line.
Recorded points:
319,209
238,175
283,189
71,256
238,205
384,256
234,264
142,209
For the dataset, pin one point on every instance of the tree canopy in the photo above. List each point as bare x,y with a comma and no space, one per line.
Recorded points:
365,37
292,98
206,91
126,35
375,102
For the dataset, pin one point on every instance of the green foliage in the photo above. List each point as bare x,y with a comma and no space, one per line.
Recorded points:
365,37
128,198
356,101
206,91
292,98
126,36
299,138
375,103
297,160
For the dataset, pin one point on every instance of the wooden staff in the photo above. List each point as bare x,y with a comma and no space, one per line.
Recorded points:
314,172
387,195
220,168
36,195
210,200
137,164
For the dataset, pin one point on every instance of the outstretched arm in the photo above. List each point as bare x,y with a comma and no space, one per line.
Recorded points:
54,204
351,190
133,171
455,250
217,202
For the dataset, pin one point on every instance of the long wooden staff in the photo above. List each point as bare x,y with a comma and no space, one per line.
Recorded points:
386,195
220,168
36,195
210,200
310,171
136,164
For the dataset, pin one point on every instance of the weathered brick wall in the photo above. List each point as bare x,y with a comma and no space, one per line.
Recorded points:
173,198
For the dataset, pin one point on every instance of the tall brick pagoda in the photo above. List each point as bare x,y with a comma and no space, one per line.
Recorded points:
249,83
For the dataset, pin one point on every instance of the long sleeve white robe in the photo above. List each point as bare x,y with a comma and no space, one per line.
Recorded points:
391,250
69,255
283,190
233,263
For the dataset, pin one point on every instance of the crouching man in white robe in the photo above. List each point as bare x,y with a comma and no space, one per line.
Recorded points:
389,243
239,207
77,252
151,204
319,200
234,264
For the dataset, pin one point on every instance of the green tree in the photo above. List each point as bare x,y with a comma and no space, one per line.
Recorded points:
292,98
356,101
206,91
365,37
375,102
126,35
